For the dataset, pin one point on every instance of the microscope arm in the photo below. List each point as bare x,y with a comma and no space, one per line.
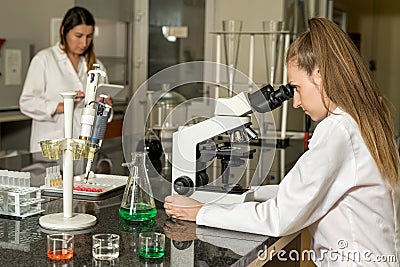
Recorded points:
186,139
238,105
263,100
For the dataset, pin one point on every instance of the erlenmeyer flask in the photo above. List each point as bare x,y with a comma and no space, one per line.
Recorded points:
137,202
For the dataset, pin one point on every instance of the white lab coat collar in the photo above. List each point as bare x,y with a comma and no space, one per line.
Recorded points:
60,55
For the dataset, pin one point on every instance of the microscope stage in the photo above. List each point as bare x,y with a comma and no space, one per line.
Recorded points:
227,189
207,196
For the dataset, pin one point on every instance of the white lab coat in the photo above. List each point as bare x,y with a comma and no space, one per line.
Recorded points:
50,73
334,189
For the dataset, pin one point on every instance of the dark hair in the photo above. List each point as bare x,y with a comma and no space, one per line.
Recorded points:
74,17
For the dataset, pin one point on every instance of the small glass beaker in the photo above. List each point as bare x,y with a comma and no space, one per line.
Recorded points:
151,245
60,246
137,202
105,246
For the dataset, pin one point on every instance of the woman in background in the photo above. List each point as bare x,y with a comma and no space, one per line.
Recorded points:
60,68
345,188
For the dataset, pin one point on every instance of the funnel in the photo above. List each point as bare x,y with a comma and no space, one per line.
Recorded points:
274,46
232,29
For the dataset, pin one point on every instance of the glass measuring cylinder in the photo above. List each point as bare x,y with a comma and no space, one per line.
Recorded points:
231,28
274,50
137,202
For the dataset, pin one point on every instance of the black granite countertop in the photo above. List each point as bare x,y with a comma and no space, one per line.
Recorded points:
23,242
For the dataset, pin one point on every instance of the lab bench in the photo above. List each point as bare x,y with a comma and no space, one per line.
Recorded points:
23,241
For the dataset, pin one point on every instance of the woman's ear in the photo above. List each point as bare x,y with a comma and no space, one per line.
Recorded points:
316,77
62,33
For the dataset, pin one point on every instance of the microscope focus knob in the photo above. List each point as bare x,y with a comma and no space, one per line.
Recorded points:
184,186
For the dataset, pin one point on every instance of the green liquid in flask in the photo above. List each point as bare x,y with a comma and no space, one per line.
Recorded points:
143,212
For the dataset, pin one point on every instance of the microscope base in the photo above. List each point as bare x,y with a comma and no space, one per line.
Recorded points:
222,197
57,221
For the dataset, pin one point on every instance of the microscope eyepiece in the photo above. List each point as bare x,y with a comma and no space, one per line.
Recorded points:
266,99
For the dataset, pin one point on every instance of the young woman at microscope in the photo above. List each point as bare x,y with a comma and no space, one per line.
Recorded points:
346,186
61,68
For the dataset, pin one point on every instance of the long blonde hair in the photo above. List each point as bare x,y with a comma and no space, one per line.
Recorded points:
348,83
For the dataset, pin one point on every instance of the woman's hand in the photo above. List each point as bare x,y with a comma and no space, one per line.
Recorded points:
59,109
182,208
79,96
108,100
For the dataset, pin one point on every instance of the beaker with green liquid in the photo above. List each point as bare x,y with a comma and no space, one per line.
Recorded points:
137,202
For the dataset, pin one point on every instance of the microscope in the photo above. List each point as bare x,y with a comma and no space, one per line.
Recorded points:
193,146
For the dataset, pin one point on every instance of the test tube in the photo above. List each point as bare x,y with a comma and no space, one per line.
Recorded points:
17,178
58,175
47,177
22,178
52,180
10,175
26,179
6,181
2,177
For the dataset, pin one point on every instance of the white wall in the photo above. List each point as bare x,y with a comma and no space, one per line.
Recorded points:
378,22
386,49
30,20
252,13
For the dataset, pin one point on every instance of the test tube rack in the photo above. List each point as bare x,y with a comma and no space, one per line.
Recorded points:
17,198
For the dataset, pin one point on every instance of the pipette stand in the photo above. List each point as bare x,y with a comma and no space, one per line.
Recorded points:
67,220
